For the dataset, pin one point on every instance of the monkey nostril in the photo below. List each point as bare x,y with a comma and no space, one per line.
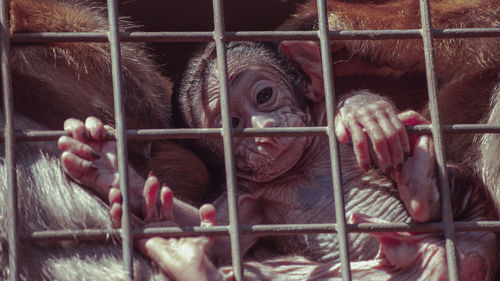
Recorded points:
263,122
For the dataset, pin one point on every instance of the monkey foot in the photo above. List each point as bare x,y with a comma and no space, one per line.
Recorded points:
90,160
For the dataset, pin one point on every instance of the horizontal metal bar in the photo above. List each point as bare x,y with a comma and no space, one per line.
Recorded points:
277,229
154,134
203,36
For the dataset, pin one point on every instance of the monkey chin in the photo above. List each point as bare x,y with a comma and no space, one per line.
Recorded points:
266,163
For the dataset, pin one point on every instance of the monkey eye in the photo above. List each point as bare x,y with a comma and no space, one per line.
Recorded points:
264,95
235,122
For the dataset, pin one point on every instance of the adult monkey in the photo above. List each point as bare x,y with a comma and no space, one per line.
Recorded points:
55,81
467,69
51,82
288,180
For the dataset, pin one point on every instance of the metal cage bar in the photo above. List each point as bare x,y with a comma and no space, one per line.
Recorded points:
437,134
275,229
220,36
121,138
234,227
156,134
10,156
338,194
200,36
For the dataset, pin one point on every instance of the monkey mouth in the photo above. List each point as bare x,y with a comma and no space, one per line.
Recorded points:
264,161
267,144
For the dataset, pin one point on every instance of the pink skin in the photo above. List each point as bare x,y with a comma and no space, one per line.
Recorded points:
173,255
416,180
92,162
398,253
368,117
378,120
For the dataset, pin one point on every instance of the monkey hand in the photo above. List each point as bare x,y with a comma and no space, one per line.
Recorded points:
365,115
92,161
417,179
173,255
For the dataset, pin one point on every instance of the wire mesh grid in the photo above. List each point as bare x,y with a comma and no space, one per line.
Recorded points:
220,36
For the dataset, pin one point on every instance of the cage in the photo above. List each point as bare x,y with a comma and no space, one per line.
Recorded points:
200,33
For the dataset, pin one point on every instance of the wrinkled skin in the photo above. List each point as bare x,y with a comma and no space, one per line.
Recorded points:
296,186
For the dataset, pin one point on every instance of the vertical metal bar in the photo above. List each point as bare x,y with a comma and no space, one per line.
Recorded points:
334,149
234,228
10,157
437,134
121,136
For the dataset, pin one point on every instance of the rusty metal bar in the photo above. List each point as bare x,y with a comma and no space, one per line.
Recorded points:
10,155
234,227
121,138
156,134
437,134
334,148
275,229
203,36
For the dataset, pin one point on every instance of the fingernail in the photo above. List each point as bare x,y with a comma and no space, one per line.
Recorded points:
95,155
400,167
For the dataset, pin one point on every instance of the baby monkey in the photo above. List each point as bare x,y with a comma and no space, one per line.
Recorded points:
288,179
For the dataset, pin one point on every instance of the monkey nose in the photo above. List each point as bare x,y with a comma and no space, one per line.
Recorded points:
260,121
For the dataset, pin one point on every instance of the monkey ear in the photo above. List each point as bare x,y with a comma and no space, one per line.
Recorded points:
307,56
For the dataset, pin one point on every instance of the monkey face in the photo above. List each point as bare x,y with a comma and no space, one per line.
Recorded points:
262,97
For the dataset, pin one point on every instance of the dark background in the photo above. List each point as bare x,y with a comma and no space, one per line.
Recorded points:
197,15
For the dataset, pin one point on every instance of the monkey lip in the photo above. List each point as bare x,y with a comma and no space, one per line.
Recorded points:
267,144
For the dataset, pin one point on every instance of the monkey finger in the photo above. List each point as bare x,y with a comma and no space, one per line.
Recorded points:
115,212
78,148
151,187
411,117
378,141
340,130
167,204
403,135
208,217
95,127
78,168
360,144
395,148
76,129
114,195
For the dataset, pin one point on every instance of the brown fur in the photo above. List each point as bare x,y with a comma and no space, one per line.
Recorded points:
55,81
467,69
